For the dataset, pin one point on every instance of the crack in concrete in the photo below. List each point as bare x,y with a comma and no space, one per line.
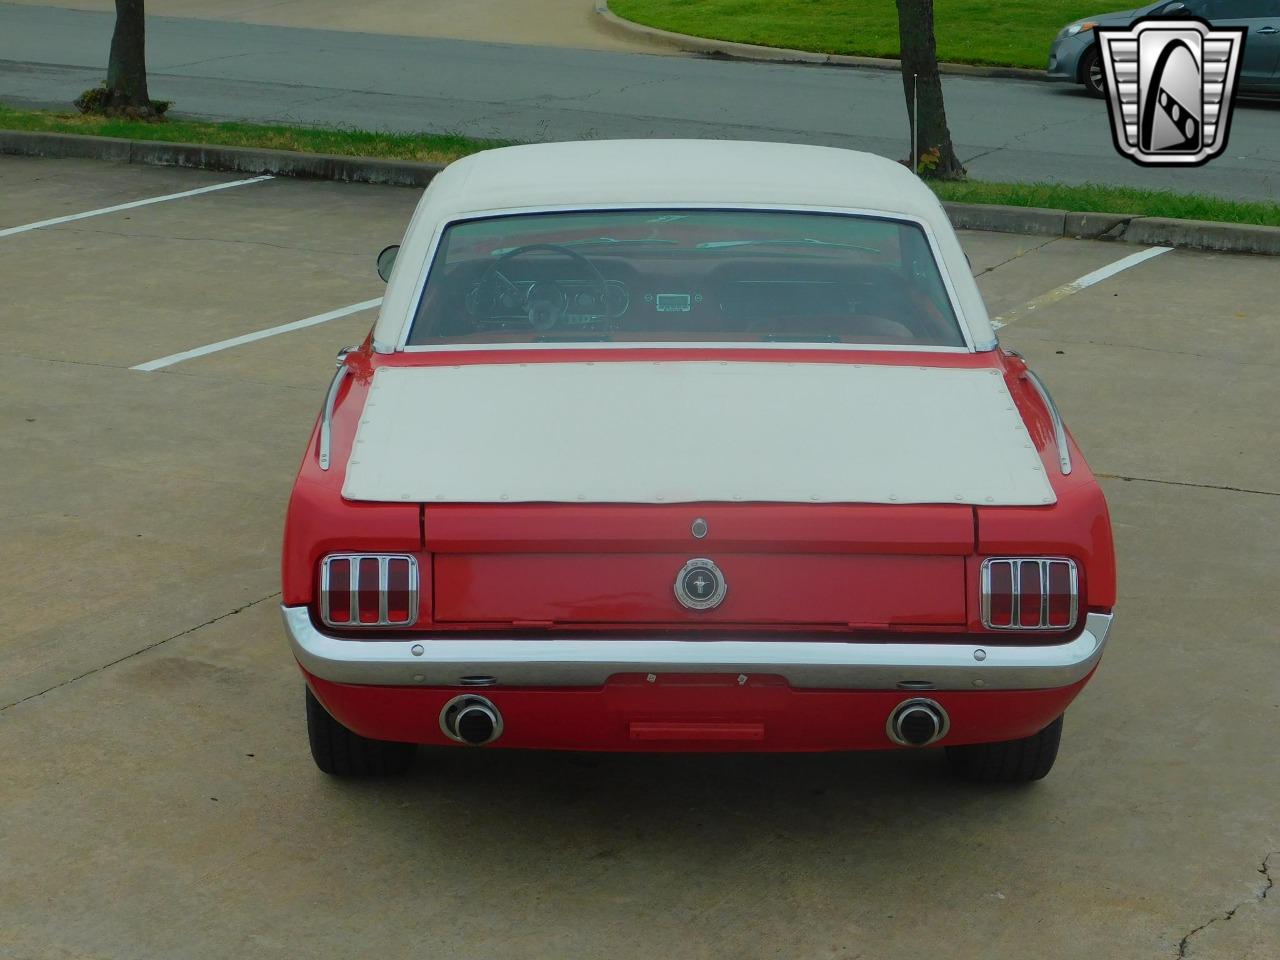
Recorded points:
1021,138
979,156
1265,869
78,363
1021,253
1185,483
150,646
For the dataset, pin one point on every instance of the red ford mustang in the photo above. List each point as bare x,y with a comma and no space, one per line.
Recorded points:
681,445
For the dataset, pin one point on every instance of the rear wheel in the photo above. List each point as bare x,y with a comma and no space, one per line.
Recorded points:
1008,761
1091,72
341,753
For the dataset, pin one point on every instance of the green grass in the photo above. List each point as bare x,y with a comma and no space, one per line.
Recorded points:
1105,199
427,148
442,149
1014,33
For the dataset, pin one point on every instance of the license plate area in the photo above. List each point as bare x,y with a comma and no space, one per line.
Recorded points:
691,708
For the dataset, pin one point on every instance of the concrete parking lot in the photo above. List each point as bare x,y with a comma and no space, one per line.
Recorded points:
158,799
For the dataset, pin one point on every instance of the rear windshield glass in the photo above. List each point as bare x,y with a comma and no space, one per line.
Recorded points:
690,276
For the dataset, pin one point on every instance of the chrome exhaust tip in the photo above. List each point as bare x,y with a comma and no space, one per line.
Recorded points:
472,720
917,722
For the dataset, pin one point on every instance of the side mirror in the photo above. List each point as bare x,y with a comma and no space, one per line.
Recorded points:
387,260
1173,8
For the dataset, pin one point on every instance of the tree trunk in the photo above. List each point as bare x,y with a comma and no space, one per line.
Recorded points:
934,155
127,65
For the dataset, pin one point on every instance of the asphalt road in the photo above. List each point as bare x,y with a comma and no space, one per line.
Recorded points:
1005,130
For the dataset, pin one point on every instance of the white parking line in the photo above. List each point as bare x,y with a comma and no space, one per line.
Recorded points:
1075,286
10,231
319,318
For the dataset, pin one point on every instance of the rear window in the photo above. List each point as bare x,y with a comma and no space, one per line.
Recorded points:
695,276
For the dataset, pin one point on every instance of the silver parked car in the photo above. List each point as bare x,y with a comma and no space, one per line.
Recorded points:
1074,54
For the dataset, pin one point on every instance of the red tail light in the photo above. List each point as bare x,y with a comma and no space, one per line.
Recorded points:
335,595
1062,595
368,590
1029,594
997,593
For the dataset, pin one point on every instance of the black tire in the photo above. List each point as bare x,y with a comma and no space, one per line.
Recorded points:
1091,75
1009,761
340,753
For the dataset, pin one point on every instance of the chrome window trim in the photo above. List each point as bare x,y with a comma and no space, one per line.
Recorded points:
1059,428
422,659
353,608
676,345
424,272
1045,564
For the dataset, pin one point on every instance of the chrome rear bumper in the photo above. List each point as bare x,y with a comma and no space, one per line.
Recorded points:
448,660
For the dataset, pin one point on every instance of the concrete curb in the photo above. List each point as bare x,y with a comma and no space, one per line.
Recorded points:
731,50
1129,228
251,160
1035,221
1204,235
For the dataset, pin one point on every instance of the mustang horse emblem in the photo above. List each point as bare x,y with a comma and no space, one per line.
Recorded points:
700,585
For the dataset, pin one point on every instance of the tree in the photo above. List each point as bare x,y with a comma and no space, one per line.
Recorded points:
934,155
125,90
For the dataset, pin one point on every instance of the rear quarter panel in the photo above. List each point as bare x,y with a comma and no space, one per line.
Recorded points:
319,521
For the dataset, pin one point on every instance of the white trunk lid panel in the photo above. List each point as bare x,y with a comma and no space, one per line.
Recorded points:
677,432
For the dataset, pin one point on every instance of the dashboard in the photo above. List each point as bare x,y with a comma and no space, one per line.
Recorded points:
550,302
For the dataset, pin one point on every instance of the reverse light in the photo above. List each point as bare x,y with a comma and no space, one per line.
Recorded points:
368,590
1029,593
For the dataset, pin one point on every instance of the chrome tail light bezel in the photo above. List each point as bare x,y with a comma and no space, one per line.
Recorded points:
1043,570
353,606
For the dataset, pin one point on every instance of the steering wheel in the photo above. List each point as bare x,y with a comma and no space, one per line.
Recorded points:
545,302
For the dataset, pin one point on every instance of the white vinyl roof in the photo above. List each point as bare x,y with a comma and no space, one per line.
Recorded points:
600,174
